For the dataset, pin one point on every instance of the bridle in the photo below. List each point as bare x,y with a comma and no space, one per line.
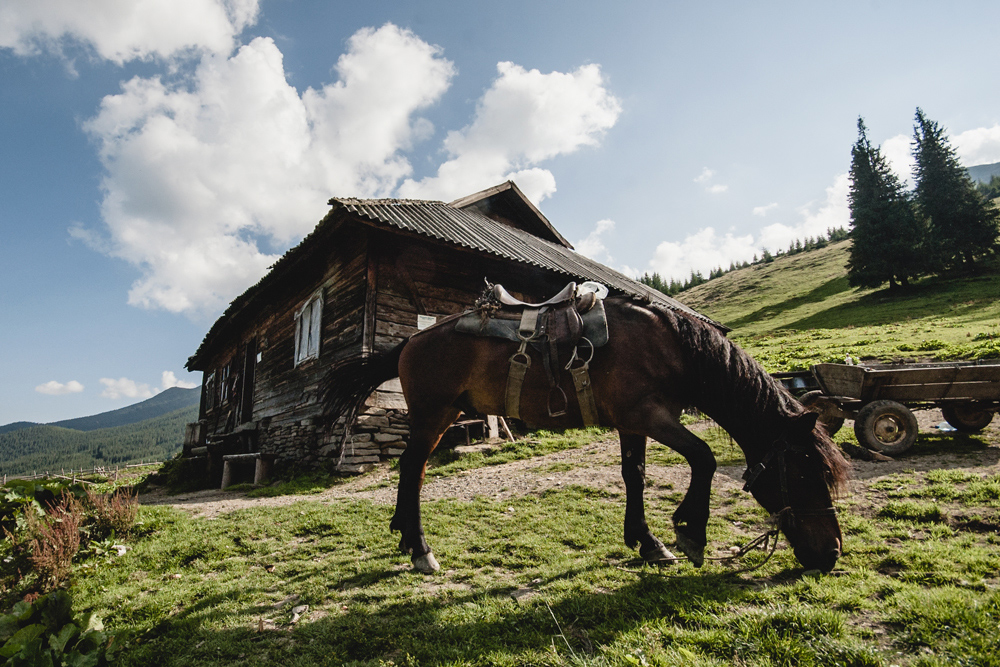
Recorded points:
751,474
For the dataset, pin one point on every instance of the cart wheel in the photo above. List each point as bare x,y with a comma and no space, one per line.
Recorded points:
886,426
828,410
967,417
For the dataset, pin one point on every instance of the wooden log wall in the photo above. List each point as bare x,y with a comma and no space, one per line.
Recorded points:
419,277
286,397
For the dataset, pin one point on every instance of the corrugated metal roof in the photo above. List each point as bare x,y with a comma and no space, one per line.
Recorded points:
470,229
465,227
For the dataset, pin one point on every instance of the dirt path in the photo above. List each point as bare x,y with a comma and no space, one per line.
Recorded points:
594,465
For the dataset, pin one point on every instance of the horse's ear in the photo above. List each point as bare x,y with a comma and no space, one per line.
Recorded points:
807,421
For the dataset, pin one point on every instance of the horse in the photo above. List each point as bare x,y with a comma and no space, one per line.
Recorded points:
656,363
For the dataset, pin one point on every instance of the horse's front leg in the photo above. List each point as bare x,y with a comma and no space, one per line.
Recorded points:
637,532
691,517
424,437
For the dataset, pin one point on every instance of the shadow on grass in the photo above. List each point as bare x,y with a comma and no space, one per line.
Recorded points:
932,297
824,291
934,451
434,629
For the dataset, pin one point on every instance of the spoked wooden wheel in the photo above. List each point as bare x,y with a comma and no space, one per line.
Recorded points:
886,426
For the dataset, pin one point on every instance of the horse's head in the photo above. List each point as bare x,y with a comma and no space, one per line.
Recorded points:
796,481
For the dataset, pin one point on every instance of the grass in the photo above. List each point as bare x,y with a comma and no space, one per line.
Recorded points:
314,583
800,310
917,584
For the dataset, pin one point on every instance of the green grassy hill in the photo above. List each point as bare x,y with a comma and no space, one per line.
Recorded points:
799,310
51,448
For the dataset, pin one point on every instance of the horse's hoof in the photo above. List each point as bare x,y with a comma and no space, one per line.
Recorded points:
426,564
694,552
658,555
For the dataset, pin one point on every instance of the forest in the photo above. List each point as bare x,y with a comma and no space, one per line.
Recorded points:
52,448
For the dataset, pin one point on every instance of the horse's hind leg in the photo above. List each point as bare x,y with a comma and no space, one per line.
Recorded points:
425,433
637,532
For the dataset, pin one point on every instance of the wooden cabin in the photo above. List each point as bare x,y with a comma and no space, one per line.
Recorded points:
372,273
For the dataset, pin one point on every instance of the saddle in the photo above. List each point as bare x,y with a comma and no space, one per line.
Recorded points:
569,326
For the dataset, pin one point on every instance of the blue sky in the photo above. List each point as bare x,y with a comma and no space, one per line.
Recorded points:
159,155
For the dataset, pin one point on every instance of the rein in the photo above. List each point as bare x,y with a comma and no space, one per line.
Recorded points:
770,536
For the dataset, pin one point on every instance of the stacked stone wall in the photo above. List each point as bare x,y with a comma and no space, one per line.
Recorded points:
377,435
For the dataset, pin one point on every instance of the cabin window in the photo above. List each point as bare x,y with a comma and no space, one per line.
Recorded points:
209,391
225,387
308,328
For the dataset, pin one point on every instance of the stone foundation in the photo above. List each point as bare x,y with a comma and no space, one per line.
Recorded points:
377,435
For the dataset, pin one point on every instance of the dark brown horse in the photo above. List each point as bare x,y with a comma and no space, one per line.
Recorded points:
656,363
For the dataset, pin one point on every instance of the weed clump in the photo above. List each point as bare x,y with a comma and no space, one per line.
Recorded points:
113,513
44,537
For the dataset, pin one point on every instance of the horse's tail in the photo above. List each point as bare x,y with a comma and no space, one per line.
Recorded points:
351,381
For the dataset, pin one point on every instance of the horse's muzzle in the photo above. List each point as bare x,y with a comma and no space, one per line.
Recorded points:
823,561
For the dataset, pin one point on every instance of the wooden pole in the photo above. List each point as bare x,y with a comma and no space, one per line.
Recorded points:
506,429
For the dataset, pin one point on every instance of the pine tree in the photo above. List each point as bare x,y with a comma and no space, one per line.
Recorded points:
962,226
886,234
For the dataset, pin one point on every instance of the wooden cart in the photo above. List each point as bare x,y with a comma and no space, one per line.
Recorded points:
881,398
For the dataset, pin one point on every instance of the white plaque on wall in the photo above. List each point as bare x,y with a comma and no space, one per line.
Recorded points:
424,321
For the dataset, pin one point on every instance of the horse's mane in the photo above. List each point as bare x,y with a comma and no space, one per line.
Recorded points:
734,390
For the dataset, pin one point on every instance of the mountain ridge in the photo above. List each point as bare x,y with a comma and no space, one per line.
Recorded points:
166,401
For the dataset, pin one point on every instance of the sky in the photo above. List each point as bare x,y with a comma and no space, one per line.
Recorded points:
160,155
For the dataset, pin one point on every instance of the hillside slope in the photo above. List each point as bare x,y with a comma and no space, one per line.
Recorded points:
800,310
52,448
166,401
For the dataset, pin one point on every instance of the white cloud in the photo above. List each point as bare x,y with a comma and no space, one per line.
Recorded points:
833,212
53,388
198,173
897,151
978,146
123,30
125,388
524,118
707,249
762,211
593,246
705,177
168,380
702,251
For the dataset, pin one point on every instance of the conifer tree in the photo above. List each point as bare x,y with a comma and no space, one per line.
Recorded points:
886,234
962,226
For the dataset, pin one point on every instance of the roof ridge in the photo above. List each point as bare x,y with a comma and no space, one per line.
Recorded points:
386,201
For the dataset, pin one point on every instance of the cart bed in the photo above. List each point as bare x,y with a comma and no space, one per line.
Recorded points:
961,381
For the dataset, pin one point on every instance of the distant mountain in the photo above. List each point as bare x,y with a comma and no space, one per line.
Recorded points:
48,448
151,430
166,401
982,173
170,400
16,426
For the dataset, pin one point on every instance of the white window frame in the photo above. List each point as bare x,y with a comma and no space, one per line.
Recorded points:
309,328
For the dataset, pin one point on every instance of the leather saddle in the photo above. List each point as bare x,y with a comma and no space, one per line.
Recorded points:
569,326
565,319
